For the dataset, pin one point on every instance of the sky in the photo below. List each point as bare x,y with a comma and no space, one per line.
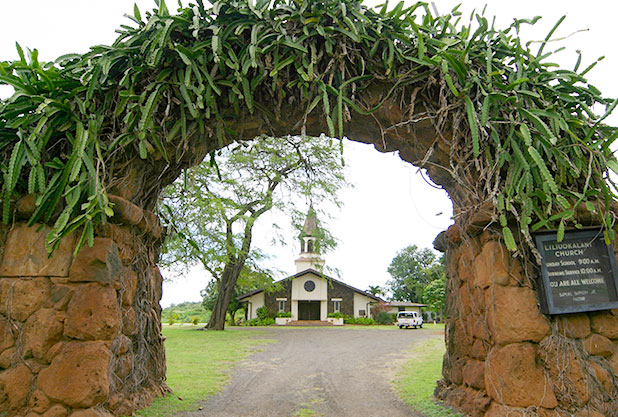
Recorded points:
391,206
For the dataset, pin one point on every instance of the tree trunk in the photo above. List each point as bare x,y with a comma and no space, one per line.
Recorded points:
226,291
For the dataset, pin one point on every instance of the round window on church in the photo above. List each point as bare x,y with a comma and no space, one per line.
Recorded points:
309,286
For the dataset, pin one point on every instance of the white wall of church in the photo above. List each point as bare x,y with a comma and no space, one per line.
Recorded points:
299,292
309,261
294,310
361,302
255,301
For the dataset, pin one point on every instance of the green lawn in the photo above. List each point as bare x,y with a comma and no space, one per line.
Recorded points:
198,364
417,379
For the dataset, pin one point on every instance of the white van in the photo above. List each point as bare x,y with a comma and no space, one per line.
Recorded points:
409,319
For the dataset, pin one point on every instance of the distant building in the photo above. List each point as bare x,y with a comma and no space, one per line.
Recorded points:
309,294
397,306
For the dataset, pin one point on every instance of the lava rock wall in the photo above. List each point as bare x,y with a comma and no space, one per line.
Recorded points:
80,335
504,357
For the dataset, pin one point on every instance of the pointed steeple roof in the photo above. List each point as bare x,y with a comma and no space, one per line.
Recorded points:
311,223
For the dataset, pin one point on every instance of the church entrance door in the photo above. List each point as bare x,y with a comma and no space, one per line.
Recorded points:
308,310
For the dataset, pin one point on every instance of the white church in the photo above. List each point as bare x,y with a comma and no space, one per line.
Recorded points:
309,294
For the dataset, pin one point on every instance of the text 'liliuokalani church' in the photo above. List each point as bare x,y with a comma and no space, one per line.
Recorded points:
309,294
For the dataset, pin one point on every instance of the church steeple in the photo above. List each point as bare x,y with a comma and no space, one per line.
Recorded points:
308,239
309,248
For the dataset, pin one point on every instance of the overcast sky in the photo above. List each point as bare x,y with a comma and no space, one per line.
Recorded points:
391,206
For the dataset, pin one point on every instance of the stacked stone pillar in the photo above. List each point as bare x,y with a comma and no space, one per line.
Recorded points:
504,357
80,335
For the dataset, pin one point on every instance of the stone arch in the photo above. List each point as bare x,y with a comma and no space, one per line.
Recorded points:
117,280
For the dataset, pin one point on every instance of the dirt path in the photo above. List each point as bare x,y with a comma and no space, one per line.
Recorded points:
336,372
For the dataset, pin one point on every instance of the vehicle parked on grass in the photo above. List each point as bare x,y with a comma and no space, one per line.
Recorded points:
409,319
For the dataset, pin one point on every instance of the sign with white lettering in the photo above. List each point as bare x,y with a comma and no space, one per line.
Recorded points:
578,274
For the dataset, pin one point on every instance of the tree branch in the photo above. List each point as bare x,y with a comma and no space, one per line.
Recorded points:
210,270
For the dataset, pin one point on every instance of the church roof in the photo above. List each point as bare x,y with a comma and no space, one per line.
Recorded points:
311,223
314,272
405,304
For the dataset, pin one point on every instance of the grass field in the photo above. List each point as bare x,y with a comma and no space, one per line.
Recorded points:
417,379
198,364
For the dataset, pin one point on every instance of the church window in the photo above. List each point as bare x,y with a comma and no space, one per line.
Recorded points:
281,306
310,246
337,306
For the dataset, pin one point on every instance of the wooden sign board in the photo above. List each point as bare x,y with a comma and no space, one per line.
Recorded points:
578,274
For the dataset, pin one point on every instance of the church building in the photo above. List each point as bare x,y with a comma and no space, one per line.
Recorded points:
309,294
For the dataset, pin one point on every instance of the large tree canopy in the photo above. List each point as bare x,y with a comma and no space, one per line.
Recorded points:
516,130
411,270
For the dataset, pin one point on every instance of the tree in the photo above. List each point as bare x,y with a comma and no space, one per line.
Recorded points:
375,290
212,209
434,295
412,269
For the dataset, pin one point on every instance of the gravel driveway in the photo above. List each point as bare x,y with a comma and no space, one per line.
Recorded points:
331,371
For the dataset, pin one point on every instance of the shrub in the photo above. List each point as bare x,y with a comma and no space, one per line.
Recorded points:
260,322
284,314
358,320
365,321
337,315
196,320
383,317
262,313
173,318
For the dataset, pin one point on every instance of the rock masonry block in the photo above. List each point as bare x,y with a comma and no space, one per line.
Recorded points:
79,375
513,377
100,263
513,315
93,313
25,254
20,297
